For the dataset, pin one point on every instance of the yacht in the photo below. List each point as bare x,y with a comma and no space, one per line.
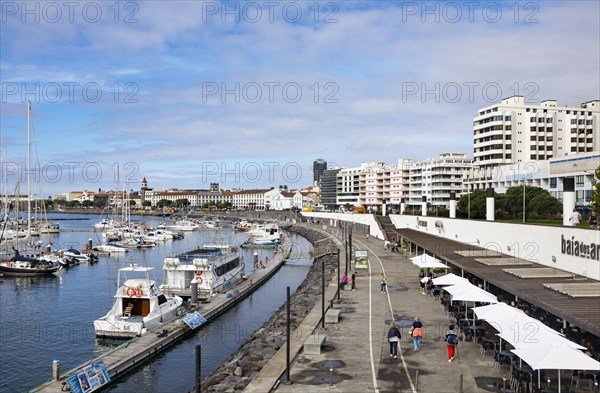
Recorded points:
215,268
139,306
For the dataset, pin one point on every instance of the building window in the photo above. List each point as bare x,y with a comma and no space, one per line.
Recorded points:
579,181
553,182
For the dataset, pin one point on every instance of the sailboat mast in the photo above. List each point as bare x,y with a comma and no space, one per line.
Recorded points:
28,168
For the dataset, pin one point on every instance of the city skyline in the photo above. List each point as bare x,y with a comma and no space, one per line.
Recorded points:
180,100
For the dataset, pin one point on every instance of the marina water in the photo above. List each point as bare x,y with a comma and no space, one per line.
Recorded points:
42,318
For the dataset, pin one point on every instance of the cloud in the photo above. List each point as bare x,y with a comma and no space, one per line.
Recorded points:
353,75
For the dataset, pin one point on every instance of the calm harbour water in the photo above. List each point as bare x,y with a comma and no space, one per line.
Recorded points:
51,317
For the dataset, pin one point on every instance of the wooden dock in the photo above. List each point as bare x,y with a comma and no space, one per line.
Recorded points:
138,350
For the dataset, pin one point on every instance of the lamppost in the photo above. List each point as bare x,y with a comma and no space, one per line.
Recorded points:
468,198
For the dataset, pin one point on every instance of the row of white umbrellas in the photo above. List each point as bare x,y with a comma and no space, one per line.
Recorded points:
538,345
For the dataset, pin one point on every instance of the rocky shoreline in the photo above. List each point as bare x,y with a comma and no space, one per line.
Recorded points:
240,368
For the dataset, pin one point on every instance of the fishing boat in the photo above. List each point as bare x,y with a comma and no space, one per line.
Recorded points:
214,268
139,306
20,265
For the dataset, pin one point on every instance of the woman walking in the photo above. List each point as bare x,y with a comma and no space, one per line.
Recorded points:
417,333
452,341
393,338
383,284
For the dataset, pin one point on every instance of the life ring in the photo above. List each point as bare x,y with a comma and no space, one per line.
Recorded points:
139,292
130,292
199,273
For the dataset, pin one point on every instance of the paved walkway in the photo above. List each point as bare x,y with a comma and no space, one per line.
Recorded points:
356,357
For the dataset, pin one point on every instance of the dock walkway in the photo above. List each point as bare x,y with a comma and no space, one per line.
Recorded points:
139,349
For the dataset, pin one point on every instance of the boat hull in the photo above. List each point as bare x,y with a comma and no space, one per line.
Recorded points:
126,328
18,271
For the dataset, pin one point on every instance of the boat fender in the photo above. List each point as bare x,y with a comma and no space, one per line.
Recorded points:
130,292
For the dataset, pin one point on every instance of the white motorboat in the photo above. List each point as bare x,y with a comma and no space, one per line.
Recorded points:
215,268
139,306
265,234
111,248
76,255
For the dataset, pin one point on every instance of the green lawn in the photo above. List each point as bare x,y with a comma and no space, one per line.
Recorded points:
544,222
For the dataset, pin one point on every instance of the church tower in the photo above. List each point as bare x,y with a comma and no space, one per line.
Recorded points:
143,189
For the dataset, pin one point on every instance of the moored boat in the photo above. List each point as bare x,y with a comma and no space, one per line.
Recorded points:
214,268
21,265
139,306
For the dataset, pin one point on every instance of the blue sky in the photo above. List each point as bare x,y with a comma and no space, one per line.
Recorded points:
162,68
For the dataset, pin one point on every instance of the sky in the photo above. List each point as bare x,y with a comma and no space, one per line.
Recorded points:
249,94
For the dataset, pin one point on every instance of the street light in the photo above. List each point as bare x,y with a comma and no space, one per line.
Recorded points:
468,199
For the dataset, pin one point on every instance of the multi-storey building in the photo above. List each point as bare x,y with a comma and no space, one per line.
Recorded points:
347,186
319,166
385,185
436,178
329,188
513,131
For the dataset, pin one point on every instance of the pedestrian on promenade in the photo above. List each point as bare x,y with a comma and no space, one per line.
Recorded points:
393,338
354,280
417,333
575,218
424,282
383,284
593,221
451,341
367,235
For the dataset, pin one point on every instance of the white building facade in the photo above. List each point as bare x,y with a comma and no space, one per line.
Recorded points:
514,131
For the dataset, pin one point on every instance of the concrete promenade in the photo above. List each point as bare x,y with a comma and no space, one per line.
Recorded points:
355,357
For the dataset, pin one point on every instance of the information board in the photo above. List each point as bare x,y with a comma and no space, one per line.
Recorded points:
194,320
361,259
92,378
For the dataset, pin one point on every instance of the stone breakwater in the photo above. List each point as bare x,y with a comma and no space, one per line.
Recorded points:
240,368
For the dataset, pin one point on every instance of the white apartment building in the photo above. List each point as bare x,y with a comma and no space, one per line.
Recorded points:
347,186
249,199
513,131
436,178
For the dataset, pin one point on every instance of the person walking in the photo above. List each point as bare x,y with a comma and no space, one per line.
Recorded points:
593,221
393,339
354,280
383,284
452,342
575,218
417,333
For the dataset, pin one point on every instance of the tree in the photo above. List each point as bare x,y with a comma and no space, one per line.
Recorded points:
164,203
538,202
477,205
183,202
146,203
595,201
87,203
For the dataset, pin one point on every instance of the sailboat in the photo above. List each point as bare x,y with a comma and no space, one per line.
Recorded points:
34,262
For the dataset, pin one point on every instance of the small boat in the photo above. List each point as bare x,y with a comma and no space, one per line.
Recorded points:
50,228
111,248
72,253
139,306
215,268
21,265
